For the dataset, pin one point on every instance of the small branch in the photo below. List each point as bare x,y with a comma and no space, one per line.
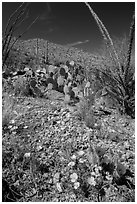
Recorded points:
11,16
105,34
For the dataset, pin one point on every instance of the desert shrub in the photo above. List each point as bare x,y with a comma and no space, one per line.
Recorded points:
21,87
14,22
7,86
119,73
7,109
85,112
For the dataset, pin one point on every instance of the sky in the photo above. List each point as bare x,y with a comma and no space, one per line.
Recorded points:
71,23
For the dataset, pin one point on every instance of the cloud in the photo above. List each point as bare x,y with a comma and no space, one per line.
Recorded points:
47,14
77,43
49,30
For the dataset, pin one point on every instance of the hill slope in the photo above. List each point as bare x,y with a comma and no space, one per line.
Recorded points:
58,52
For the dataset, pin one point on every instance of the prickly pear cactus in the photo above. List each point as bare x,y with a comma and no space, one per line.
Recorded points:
60,81
67,98
66,89
34,87
50,86
62,71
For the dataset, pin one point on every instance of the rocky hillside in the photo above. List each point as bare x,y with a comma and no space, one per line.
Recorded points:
51,155
55,151
58,53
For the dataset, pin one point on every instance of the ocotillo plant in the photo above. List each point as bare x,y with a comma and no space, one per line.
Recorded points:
37,51
14,22
121,74
47,56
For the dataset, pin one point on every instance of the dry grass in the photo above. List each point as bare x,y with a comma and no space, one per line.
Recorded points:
7,109
20,87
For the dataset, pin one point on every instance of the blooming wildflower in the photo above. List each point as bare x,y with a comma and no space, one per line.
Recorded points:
27,155
14,128
12,121
56,177
80,153
73,177
96,170
81,160
76,185
99,168
39,148
73,156
58,185
71,164
91,181
93,174
109,177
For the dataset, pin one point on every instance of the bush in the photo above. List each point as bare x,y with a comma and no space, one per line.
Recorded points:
86,113
7,109
21,87
119,71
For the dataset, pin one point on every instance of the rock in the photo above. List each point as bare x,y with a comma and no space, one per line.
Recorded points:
58,185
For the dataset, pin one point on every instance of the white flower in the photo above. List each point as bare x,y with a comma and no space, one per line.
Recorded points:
58,185
81,160
76,185
91,181
39,148
14,128
109,177
56,177
99,168
80,153
27,154
73,157
71,164
14,133
73,177
72,63
12,121
93,174
96,170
